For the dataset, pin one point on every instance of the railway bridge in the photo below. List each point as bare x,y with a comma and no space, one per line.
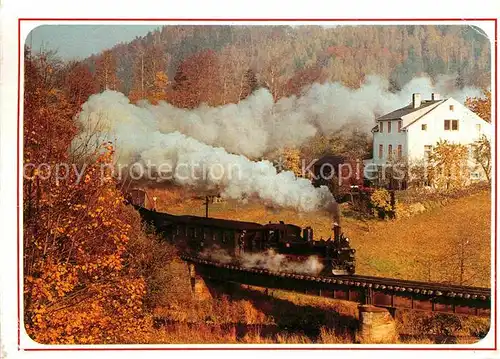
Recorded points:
388,293
378,297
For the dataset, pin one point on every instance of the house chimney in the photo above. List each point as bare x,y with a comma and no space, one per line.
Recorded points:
417,100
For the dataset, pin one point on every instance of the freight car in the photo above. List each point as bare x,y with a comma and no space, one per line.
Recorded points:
197,235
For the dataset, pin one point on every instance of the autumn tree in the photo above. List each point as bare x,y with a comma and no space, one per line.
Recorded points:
274,68
304,78
349,142
79,287
481,105
79,83
291,160
482,155
236,79
45,140
346,53
150,80
197,81
80,281
106,71
248,84
448,167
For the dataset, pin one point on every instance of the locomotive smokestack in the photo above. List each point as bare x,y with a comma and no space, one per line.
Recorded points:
334,209
336,231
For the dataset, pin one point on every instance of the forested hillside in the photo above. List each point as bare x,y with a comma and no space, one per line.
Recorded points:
187,65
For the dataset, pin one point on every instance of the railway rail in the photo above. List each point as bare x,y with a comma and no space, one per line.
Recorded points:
390,293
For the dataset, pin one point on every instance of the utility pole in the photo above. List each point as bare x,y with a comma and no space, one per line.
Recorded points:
206,206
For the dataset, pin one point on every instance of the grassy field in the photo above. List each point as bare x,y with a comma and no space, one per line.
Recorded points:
433,246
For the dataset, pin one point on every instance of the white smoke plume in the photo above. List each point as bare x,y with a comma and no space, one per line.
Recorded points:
276,262
257,125
206,147
187,161
216,254
269,260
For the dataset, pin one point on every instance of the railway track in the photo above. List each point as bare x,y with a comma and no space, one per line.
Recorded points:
385,292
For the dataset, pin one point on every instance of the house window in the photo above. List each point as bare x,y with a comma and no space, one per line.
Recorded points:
400,152
389,152
478,127
427,151
400,124
381,127
452,107
451,125
380,151
446,125
389,127
424,127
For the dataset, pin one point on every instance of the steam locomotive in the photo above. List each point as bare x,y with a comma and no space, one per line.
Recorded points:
195,235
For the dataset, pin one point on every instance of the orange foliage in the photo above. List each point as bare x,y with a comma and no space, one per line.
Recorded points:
157,93
480,105
80,285
154,93
79,83
197,80
303,78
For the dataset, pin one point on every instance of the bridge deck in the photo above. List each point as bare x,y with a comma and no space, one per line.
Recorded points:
384,292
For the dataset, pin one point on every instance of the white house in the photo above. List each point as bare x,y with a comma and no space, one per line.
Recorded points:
411,131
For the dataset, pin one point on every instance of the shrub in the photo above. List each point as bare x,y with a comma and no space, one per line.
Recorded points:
380,201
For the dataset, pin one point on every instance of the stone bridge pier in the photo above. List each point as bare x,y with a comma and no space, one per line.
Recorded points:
199,287
376,325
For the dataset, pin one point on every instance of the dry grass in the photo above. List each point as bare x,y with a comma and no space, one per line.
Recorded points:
214,334
290,317
251,315
170,196
468,328
339,307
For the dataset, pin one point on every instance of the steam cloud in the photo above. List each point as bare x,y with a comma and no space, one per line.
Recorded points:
278,262
189,162
257,125
269,260
168,140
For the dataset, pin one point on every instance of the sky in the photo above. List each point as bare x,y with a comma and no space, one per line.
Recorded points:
81,41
